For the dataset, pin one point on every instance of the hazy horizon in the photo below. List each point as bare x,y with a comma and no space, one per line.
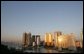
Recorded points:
39,17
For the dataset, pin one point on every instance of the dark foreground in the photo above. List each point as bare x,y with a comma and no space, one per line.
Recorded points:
4,49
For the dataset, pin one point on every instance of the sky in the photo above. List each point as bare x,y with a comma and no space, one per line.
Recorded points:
39,17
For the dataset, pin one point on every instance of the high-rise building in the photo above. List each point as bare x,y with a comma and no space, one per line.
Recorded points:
29,39
25,40
66,41
71,41
56,35
37,40
48,39
33,40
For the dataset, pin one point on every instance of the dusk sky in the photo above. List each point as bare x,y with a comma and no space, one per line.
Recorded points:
39,17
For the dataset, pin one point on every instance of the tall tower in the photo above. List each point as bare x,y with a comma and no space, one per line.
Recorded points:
56,35
48,39
25,40
29,39
37,40
33,40
71,42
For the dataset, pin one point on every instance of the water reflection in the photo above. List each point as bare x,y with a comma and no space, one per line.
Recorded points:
41,50
46,50
49,51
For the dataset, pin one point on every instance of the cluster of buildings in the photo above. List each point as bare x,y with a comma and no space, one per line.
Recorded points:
30,40
48,39
58,40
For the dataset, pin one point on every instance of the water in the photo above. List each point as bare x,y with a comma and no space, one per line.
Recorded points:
37,50
42,50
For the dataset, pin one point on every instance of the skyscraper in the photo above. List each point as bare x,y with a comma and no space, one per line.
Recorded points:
56,34
25,40
29,39
33,40
71,41
67,41
37,40
48,39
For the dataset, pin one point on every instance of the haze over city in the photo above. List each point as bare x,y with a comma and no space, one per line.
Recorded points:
39,17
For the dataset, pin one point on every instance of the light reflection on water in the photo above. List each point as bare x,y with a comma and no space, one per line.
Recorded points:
42,50
49,51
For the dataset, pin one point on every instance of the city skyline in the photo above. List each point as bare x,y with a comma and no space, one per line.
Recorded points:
38,18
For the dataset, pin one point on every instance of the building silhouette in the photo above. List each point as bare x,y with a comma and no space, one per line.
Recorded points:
29,39
25,40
